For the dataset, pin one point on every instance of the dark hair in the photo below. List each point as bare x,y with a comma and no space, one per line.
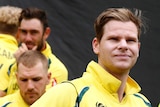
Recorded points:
30,13
119,14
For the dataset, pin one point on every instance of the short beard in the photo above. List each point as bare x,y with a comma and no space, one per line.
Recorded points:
40,45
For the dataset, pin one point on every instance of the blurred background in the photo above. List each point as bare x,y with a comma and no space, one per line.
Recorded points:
71,22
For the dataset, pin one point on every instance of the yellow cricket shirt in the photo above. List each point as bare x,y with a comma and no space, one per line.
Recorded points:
13,100
96,88
8,46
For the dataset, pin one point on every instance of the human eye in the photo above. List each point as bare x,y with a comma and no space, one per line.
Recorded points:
113,39
36,79
23,79
131,40
23,31
34,32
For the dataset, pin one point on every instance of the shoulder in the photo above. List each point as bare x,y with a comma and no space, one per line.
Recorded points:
65,88
53,60
6,104
13,100
57,67
7,100
143,99
58,96
60,91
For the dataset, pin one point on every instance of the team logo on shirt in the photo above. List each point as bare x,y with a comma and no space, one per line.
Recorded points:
100,105
5,53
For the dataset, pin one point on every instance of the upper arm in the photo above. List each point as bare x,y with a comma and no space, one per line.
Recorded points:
61,95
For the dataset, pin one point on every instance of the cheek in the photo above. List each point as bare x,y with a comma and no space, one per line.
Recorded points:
41,87
38,39
22,85
35,38
105,48
135,51
21,38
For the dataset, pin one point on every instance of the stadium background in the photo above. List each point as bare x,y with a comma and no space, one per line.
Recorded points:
72,21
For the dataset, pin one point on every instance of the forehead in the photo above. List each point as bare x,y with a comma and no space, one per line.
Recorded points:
127,28
31,24
36,70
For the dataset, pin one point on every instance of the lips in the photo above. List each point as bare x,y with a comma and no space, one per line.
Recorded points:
29,45
31,95
122,56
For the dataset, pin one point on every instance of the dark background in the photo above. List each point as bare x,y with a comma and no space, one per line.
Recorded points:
72,21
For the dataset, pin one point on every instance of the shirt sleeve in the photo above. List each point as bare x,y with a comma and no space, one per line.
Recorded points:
61,95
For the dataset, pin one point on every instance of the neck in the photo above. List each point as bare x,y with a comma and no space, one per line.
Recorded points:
44,47
121,90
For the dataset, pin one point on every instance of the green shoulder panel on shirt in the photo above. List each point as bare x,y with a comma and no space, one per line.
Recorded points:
6,104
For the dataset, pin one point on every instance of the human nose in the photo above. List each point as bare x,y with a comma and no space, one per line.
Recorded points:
123,45
30,85
28,37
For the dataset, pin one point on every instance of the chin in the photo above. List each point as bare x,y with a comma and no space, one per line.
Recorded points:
31,102
124,67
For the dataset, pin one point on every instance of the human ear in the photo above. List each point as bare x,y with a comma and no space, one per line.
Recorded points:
49,77
95,45
47,32
139,45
